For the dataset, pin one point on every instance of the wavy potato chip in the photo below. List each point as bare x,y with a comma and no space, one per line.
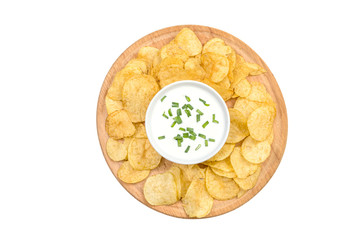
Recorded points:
254,151
220,188
173,50
241,193
216,66
232,58
225,93
115,89
223,173
117,150
258,92
241,166
140,131
193,66
112,105
137,93
223,153
248,182
238,129
260,122
160,189
224,165
148,54
216,45
179,76
240,70
178,179
225,83
129,175
135,65
141,154
197,201
254,69
187,40
246,107
189,172
118,125
242,87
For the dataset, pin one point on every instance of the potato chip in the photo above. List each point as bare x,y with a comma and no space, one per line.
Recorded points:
242,87
232,58
254,151
140,131
160,189
248,182
188,173
115,89
223,173
173,50
179,76
225,93
241,166
178,179
216,66
223,153
224,165
129,175
193,66
141,154
254,69
225,83
117,150
220,188
154,69
269,139
240,70
258,92
216,45
246,107
241,193
260,122
197,202
187,40
135,65
137,93
148,54
238,129
118,125
112,105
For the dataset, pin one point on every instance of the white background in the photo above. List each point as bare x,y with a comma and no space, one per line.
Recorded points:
54,182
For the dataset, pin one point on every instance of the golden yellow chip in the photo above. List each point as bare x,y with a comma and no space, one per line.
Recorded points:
137,93
241,193
260,122
197,202
240,69
192,66
248,182
254,151
241,166
140,131
141,154
223,153
246,107
220,188
179,76
115,90
225,93
173,50
187,40
136,65
160,189
188,173
112,105
238,129
232,58
216,45
258,92
270,138
223,173
216,66
254,69
118,125
224,165
242,87
129,175
148,54
225,83
178,179
117,150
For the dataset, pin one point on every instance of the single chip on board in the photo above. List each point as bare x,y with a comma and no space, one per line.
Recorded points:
141,154
112,105
187,40
115,89
197,201
248,182
246,107
148,54
242,87
220,188
223,173
216,66
173,50
117,150
238,129
216,45
254,151
223,153
128,174
140,131
258,92
138,91
260,122
118,125
178,179
241,166
136,65
254,69
160,189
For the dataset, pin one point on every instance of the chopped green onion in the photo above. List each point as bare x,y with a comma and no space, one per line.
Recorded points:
163,98
205,124
192,137
185,135
188,99
164,115
170,112
161,137
211,140
198,147
178,137
179,143
178,119
187,149
202,135
198,117
193,133
184,106
190,106
214,119
175,104
200,112
204,102
188,112
190,129
206,143
182,129
179,112
173,124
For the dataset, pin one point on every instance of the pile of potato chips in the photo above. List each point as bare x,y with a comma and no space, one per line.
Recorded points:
235,168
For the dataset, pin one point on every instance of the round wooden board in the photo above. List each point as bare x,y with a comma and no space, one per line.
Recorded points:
158,39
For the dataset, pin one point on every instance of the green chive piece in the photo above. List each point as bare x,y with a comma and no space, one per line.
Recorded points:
211,140
202,135
188,99
190,129
175,104
205,124
179,143
185,135
164,115
161,137
179,112
200,112
188,112
187,149
184,106
178,119
190,106
193,133
204,102
192,137
173,124
206,143
170,112
163,98
198,117
178,137
198,147
214,119
182,129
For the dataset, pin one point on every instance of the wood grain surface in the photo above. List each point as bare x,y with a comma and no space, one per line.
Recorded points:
158,39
